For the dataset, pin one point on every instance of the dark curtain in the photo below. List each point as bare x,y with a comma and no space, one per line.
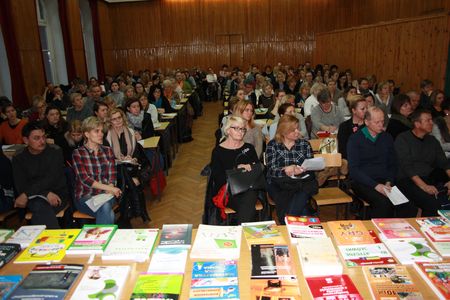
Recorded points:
97,40
19,95
63,19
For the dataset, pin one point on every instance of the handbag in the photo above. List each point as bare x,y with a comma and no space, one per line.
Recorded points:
240,180
158,183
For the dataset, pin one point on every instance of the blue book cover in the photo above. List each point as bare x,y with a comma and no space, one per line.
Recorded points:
214,280
50,282
7,284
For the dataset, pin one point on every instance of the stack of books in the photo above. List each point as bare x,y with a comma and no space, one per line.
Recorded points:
437,231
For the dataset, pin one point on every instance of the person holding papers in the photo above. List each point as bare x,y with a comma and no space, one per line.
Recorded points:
289,184
95,174
424,170
373,166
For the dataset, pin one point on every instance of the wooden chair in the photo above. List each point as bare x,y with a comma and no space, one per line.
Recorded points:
333,195
315,144
83,218
258,207
7,214
59,215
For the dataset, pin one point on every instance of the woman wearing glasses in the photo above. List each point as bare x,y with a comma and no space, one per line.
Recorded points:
230,154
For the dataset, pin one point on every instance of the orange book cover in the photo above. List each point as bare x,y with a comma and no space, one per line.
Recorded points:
350,232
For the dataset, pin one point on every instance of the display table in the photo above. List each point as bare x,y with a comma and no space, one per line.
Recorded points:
244,271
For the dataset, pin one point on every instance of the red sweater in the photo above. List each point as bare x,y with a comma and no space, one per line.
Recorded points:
11,135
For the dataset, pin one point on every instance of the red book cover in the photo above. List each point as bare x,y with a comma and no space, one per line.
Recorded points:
338,287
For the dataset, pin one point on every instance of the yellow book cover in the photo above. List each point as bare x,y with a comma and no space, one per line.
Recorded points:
350,232
49,246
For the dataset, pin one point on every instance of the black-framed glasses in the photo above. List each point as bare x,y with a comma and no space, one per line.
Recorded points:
243,130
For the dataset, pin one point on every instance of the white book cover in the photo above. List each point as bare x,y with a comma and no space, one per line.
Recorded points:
131,244
318,257
304,227
102,282
168,260
364,255
409,251
217,242
26,234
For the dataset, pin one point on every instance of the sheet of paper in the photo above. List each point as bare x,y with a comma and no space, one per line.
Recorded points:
314,164
396,196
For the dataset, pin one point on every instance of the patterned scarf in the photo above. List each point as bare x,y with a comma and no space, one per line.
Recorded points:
136,121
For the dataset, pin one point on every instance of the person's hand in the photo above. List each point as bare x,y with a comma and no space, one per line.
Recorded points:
447,185
50,141
300,104
380,189
429,189
53,199
115,191
298,170
247,167
160,110
138,136
332,128
21,201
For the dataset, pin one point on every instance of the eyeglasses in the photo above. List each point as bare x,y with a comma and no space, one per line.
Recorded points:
242,130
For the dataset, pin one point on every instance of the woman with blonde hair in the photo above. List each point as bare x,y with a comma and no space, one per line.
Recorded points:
245,110
128,155
312,99
383,98
234,153
289,184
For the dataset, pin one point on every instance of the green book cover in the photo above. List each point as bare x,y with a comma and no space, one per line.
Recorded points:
5,234
162,286
92,239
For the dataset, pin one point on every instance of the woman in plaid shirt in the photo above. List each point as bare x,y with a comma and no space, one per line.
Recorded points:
95,172
289,185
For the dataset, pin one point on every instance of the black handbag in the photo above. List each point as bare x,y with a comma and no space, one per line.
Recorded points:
240,180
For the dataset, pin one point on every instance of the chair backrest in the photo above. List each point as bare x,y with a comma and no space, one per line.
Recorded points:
315,144
331,159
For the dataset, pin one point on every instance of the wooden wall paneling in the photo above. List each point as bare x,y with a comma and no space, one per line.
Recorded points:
27,37
236,50
406,50
223,50
259,21
76,37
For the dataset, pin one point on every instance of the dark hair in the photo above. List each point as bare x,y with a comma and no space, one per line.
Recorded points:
131,101
398,102
6,105
361,79
97,105
426,82
51,107
283,107
433,96
415,116
324,96
30,126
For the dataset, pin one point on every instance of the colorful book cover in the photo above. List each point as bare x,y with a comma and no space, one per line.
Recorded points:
364,255
49,246
7,252
25,235
161,286
92,239
275,288
318,257
350,232
131,244
437,276
176,235
214,280
409,251
7,285
445,213
271,261
168,260
396,228
217,242
304,227
265,232
390,282
102,282
5,234
333,287
436,227
47,282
